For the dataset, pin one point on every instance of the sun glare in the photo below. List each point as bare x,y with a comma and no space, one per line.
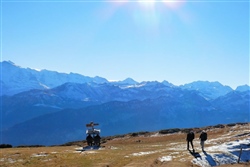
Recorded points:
146,1
173,4
150,11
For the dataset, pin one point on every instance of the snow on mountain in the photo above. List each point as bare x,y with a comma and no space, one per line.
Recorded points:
88,92
33,95
209,90
70,95
127,83
16,79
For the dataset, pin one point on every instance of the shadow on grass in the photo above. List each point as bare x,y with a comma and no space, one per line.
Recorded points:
195,154
91,148
88,148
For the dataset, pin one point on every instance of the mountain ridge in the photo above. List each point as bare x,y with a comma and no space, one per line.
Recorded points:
189,110
31,100
15,79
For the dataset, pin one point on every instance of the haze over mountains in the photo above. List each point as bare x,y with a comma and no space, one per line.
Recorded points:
48,107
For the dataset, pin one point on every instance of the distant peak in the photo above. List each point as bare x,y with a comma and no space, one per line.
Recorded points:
243,88
129,79
167,83
8,62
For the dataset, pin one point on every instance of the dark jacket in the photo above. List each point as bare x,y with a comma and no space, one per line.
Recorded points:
89,138
190,136
203,136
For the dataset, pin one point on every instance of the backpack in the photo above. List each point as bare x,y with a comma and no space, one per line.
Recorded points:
204,136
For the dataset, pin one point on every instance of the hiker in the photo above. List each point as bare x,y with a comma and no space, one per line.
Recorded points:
189,139
97,140
89,139
203,138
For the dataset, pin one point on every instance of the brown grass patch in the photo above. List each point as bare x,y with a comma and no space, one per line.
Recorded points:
141,150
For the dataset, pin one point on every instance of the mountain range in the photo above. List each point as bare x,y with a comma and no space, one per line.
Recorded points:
48,107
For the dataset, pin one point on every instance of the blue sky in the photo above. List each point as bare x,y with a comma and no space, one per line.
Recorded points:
180,42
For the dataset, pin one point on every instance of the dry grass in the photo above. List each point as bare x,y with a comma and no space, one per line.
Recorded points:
145,150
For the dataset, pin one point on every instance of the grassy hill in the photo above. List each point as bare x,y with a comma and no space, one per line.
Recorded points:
163,148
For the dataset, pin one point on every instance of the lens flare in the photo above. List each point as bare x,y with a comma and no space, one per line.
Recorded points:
149,14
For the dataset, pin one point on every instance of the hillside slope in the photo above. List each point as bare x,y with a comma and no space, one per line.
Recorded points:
142,149
188,110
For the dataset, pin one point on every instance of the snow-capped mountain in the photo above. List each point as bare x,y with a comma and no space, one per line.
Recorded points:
64,102
210,90
16,79
75,95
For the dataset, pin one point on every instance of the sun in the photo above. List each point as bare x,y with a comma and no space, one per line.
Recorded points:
147,2
151,4
148,5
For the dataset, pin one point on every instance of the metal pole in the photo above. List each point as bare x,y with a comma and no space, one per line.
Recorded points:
240,155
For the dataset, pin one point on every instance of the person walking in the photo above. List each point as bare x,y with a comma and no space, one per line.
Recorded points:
203,138
189,139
